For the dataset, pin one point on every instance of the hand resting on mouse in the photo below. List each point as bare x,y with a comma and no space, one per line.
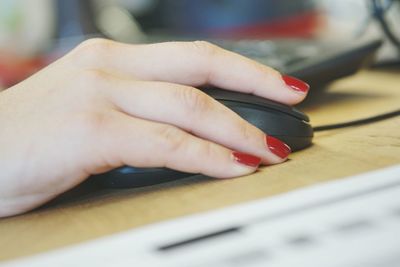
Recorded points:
107,104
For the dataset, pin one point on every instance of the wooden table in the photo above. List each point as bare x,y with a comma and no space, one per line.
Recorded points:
334,155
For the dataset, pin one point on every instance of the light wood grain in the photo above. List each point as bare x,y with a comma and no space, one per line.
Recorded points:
334,155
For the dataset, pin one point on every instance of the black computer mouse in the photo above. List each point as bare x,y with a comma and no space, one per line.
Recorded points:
281,121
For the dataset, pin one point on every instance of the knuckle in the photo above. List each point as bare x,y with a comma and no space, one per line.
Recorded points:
209,151
204,48
94,45
93,50
193,100
246,130
172,138
205,53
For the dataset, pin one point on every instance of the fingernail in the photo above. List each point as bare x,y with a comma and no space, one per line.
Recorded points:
246,159
278,147
296,84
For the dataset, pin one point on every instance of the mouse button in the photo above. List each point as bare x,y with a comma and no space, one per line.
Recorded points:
273,122
230,97
269,104
255,104
226,95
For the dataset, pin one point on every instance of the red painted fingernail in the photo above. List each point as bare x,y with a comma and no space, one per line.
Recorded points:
246,159
296,84
278,147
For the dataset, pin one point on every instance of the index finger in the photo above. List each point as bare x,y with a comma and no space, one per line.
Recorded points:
192,63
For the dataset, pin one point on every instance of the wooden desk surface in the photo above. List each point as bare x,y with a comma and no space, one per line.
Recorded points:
334,155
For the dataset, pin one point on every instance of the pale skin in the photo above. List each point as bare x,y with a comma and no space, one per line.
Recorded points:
107,104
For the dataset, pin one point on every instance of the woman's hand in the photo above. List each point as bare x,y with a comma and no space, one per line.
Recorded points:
108,104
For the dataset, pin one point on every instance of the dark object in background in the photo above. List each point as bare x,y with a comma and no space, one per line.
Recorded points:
75,18
379,12
234,18
283,122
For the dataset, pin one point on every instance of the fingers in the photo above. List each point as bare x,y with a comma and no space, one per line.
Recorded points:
191,63
193,111
140,143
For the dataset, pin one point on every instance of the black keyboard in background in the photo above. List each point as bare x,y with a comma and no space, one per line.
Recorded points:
279,55
316,62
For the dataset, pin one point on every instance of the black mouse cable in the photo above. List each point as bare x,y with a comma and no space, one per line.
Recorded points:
379,117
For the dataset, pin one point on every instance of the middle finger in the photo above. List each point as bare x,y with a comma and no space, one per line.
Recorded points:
192,110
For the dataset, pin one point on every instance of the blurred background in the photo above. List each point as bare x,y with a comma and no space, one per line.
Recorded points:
34,33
